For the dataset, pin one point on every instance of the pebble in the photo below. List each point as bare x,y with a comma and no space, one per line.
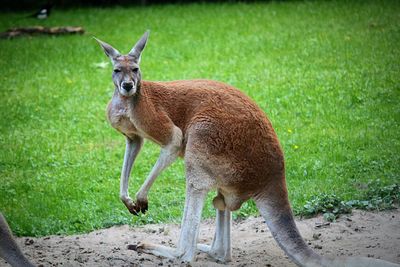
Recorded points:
316,236
29,241
131,247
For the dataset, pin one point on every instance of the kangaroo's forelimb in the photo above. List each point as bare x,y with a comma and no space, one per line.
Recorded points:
133,147
9,249
168,155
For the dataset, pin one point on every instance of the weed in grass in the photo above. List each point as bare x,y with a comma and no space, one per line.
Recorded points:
330,205
376,196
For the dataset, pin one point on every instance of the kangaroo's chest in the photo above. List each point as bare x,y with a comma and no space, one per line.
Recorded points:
118,116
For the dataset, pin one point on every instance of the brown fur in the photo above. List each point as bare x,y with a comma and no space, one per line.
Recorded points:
225,122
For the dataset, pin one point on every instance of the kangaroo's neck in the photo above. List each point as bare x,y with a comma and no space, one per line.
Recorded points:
146,113
142,95
141,106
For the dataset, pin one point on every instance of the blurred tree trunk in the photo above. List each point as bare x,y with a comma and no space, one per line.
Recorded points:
15,32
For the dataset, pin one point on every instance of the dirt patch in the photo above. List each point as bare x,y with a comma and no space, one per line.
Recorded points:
367,234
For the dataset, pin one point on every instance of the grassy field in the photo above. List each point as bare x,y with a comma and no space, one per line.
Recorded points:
326,73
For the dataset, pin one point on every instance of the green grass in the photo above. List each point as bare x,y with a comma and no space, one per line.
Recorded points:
326,73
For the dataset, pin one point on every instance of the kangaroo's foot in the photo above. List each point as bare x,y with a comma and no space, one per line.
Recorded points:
163,251
217,253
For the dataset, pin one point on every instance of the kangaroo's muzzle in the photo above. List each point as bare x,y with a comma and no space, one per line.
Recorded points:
127,86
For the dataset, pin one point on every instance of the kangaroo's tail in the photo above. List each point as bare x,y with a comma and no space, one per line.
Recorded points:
9,249
275,208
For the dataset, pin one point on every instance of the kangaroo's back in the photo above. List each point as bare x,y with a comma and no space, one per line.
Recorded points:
228,127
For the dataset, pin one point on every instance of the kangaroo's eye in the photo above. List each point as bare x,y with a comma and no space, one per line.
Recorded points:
117,70
135,69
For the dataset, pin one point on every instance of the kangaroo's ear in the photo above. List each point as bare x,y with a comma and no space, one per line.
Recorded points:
139,46
110,51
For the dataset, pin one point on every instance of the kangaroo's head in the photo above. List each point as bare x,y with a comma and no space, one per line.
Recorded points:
126,74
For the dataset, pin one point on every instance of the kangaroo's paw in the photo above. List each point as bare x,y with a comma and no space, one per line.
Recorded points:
141,205
136,208
215,253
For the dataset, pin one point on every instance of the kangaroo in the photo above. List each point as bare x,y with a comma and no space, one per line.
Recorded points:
227,144
9,249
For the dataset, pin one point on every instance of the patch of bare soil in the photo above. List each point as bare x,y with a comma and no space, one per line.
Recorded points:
368,234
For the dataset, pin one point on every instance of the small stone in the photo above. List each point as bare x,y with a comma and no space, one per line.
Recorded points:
131,247
29,241
316,236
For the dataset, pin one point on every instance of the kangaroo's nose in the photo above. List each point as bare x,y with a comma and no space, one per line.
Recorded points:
127,86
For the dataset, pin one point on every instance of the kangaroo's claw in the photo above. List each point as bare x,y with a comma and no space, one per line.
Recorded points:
139,206
136,208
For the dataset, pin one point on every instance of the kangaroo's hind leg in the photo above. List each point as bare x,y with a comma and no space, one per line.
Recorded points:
196,192
220,248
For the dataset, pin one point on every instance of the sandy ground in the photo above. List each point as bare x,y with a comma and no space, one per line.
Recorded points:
367,234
